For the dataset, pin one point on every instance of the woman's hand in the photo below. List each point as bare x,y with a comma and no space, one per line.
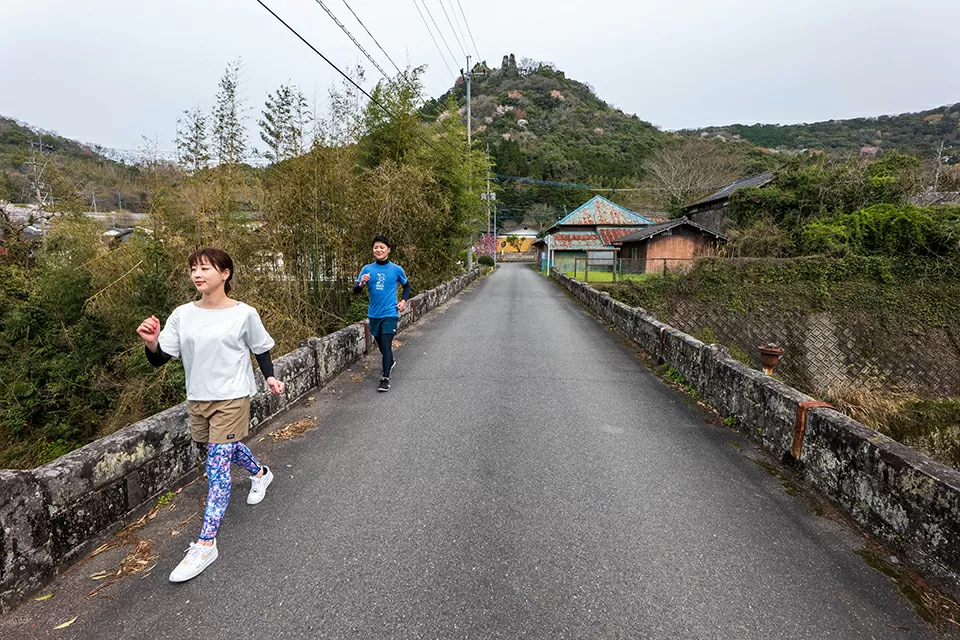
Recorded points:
276,386
149,331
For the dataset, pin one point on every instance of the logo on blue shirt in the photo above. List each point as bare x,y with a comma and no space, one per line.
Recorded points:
383,293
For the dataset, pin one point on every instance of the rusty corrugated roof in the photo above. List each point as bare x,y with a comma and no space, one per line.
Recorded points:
600,211
612,234
576,241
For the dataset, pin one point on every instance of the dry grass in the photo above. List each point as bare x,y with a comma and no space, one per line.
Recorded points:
876,409
293,430
929,425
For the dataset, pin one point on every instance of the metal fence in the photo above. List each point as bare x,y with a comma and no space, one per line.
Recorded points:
619,269
823,351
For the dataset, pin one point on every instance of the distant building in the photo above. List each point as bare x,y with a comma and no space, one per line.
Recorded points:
667,247
593,227
710,211
529,236
117,235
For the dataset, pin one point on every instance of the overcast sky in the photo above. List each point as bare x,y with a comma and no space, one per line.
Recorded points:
110,71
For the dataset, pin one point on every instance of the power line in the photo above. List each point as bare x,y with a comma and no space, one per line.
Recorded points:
440,33
477,51
452,29
463,36
354,40
570,185
348,78
400,73
372,38
435,43
573,185
362,50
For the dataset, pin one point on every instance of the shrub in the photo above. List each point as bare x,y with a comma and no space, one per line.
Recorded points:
486,261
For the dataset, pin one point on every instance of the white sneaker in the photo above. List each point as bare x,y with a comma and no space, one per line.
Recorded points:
258,486
198,558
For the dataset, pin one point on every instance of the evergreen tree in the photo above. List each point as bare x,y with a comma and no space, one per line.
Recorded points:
284,123
229,132
193,148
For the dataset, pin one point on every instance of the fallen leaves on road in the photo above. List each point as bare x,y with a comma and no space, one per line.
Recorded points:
356,377
293,430
136,559
66,624
42,598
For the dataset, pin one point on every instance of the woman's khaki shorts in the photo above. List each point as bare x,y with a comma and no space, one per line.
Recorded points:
219,421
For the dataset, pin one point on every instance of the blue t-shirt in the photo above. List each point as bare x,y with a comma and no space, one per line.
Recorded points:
383,282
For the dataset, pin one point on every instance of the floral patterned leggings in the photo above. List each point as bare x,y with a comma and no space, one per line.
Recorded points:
219,457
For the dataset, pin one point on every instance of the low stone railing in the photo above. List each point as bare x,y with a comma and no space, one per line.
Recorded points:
50,515
893,491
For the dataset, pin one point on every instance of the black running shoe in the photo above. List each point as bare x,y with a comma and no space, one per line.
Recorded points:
384,384
392,365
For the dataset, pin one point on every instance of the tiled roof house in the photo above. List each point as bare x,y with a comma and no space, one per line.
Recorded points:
594,226
709,212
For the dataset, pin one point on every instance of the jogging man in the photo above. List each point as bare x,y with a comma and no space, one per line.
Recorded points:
381,278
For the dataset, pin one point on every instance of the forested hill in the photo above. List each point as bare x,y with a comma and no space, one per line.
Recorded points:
113,185
918,133
541,124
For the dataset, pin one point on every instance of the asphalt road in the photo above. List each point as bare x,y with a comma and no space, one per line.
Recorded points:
526,477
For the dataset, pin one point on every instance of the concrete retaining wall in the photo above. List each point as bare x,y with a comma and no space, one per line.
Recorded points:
49,515
510,256
896,493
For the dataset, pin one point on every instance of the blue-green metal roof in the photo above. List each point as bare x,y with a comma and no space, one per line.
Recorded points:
599,211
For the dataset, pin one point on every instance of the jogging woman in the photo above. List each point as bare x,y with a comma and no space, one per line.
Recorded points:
214,337
381,278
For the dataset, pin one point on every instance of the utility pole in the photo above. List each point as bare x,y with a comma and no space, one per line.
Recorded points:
488,191
489,197
468,76
936,178
496,245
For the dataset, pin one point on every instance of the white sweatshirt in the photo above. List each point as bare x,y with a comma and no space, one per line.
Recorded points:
215,346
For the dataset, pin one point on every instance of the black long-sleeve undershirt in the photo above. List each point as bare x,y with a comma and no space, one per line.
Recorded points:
266,364
158,358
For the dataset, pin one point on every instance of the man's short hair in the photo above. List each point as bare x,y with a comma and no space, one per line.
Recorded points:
384,239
